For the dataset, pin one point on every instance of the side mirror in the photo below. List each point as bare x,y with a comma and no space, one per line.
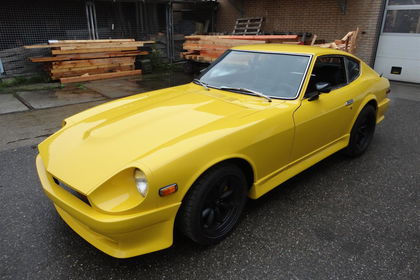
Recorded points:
323,87
313,96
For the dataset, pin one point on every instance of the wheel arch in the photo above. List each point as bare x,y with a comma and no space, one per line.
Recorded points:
369,100
244,163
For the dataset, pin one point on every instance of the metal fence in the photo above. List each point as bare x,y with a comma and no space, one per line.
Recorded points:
33,22
26,22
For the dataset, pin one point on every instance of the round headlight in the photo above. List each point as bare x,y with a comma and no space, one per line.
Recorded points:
141,182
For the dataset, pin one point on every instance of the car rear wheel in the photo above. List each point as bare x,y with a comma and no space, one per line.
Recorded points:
214,204
362,132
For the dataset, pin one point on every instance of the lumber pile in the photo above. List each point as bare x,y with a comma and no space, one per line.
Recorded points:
348,43
207,48
85,60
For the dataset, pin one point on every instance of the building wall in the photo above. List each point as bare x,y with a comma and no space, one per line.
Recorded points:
321,17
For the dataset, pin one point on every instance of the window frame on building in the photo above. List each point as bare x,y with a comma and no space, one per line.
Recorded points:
399,7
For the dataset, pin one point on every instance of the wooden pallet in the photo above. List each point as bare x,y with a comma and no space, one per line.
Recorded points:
90,58
248,26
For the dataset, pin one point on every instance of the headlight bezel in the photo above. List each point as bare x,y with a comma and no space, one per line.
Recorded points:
119,193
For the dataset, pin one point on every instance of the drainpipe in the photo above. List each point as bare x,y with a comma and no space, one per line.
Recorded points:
378,32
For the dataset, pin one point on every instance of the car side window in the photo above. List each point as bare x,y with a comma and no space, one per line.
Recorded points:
328,69
353,69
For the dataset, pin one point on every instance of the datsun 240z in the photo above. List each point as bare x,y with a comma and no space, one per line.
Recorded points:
124,174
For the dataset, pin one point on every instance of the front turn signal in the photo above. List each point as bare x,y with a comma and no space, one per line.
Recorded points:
168,190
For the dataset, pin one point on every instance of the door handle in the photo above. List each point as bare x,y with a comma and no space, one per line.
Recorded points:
349,102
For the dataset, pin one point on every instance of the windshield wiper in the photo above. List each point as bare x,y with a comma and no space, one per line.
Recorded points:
197,81
253,92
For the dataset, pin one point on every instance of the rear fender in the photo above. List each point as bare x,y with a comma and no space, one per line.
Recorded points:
368,98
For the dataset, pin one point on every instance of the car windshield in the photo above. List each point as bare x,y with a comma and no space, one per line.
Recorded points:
273,74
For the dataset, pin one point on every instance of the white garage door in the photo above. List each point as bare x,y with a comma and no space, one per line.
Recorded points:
398,55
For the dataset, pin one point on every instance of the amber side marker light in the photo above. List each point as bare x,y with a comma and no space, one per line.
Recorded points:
168,190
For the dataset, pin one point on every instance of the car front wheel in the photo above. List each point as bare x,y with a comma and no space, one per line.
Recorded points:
214,204
362,132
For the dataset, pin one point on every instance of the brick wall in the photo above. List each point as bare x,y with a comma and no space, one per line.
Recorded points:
321,17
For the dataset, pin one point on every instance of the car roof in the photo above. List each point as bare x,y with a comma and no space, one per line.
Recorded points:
295,49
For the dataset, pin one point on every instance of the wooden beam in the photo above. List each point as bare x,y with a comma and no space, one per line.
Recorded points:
88,77
261,37
93,50
87,68
74,73
97,46
90,43
314,40
90,62
87,56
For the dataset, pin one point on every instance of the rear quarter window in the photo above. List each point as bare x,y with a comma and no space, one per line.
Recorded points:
353,69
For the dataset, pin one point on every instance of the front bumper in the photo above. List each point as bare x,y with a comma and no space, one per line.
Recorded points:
121,236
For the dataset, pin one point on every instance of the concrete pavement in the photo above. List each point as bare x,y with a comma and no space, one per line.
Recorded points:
41,96
341,219
18,129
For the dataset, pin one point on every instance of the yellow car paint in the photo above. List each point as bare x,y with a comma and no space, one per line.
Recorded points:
174,135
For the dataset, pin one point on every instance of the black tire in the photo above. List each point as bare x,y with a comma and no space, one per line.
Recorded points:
362,132
213,205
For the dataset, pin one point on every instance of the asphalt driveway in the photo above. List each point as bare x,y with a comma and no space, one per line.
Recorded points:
341,219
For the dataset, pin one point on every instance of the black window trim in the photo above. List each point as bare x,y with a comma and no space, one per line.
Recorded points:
344,57
345,69
349,58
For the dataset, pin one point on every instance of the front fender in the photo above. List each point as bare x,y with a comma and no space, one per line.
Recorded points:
217,161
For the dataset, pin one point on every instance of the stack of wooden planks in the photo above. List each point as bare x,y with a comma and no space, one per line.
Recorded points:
207,48
348,43
85,60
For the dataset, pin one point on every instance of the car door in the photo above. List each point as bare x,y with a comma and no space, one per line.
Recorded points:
325,120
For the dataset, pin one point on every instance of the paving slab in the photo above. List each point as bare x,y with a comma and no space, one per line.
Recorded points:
41,99
125,86
32,126
114,88
9,104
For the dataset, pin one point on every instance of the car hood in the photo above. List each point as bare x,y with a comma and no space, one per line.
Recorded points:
98,143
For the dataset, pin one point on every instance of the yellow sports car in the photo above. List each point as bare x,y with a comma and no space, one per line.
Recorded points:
125,173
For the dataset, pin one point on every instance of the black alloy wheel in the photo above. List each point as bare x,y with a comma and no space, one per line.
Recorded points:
362,132
214,204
